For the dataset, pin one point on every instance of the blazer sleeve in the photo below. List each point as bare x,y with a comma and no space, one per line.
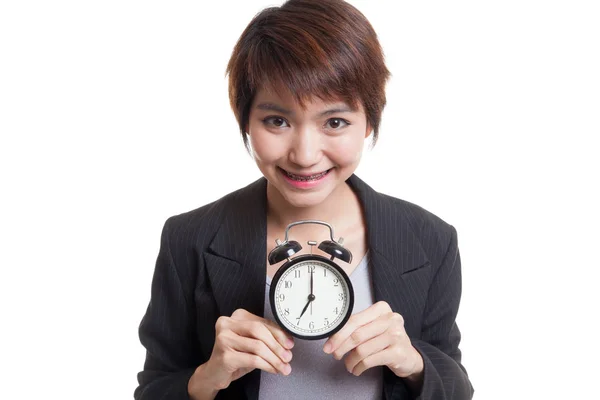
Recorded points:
167,332
444,376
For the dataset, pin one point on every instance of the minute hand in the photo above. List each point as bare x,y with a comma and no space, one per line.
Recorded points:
311,291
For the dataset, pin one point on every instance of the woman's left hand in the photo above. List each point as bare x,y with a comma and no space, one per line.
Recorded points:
373,337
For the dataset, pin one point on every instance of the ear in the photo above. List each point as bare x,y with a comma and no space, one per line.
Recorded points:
368,131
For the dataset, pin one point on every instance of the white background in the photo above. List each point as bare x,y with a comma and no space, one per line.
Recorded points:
114,116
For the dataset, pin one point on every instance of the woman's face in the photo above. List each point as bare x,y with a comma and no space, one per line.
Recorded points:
306,154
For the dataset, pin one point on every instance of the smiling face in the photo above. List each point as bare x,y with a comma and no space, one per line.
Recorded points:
307,153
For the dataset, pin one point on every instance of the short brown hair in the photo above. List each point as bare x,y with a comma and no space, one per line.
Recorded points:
325,48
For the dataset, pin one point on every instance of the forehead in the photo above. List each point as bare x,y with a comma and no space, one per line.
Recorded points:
283,97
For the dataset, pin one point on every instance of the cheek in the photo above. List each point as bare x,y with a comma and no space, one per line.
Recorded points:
266,147
348,151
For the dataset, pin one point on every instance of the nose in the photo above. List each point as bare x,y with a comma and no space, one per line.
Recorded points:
306,148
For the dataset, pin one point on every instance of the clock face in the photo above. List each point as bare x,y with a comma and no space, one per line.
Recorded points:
317,314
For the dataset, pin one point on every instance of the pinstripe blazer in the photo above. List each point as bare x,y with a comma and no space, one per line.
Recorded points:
212,262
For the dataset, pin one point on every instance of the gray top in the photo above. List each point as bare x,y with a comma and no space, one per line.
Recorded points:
316,375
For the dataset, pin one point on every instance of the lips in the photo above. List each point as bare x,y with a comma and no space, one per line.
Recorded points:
305,177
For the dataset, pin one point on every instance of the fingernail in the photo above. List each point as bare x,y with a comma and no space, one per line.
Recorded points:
287,369
289,343
327,348
287,356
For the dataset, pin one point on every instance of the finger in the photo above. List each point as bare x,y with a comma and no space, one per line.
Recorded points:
257,330
380,358
283,338
396,357
241,361
391,355
368,348
362,335
278,333
356,321
260,349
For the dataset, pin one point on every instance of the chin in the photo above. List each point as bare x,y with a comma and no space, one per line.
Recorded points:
301,198
304,200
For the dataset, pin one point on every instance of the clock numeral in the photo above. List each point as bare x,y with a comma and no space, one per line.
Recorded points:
336,311
298,321
341,296
288,284
325,272
326,322
311,269
297,273
311,325
336,281
281,297
286,311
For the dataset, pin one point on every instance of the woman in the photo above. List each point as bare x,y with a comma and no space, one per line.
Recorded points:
307,86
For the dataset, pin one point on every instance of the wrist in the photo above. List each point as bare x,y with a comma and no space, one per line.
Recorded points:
200,386
417,371
415,378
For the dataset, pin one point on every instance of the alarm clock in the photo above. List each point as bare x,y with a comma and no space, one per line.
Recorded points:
311,296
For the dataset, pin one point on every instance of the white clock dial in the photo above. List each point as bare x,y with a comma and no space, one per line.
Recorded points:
315,314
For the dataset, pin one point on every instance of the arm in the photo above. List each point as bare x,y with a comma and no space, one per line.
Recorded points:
167,332
443,375
174,368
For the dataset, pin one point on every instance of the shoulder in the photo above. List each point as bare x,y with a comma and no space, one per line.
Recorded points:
422,222
201,224
395,219
435,237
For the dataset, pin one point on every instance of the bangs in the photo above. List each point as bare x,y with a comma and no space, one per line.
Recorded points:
279,69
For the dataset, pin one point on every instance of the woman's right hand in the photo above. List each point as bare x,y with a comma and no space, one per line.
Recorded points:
243,342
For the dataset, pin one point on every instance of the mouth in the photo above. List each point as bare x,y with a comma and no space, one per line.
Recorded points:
305,178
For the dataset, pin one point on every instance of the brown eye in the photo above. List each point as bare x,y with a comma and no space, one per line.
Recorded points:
335,123
277,122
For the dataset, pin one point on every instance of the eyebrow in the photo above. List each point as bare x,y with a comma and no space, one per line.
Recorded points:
275,107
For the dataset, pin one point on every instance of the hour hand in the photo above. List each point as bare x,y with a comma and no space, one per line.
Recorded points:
311,297
304,309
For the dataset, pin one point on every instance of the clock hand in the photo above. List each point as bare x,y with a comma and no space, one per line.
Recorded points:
304,309
311,291
310,299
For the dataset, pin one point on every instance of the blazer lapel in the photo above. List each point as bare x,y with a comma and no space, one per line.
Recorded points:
236,261
400,265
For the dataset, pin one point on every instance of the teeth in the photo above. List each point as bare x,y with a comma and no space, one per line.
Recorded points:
306,178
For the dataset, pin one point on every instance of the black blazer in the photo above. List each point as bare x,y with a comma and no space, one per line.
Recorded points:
212,261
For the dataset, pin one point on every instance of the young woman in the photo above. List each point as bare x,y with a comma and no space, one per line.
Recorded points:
307,86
